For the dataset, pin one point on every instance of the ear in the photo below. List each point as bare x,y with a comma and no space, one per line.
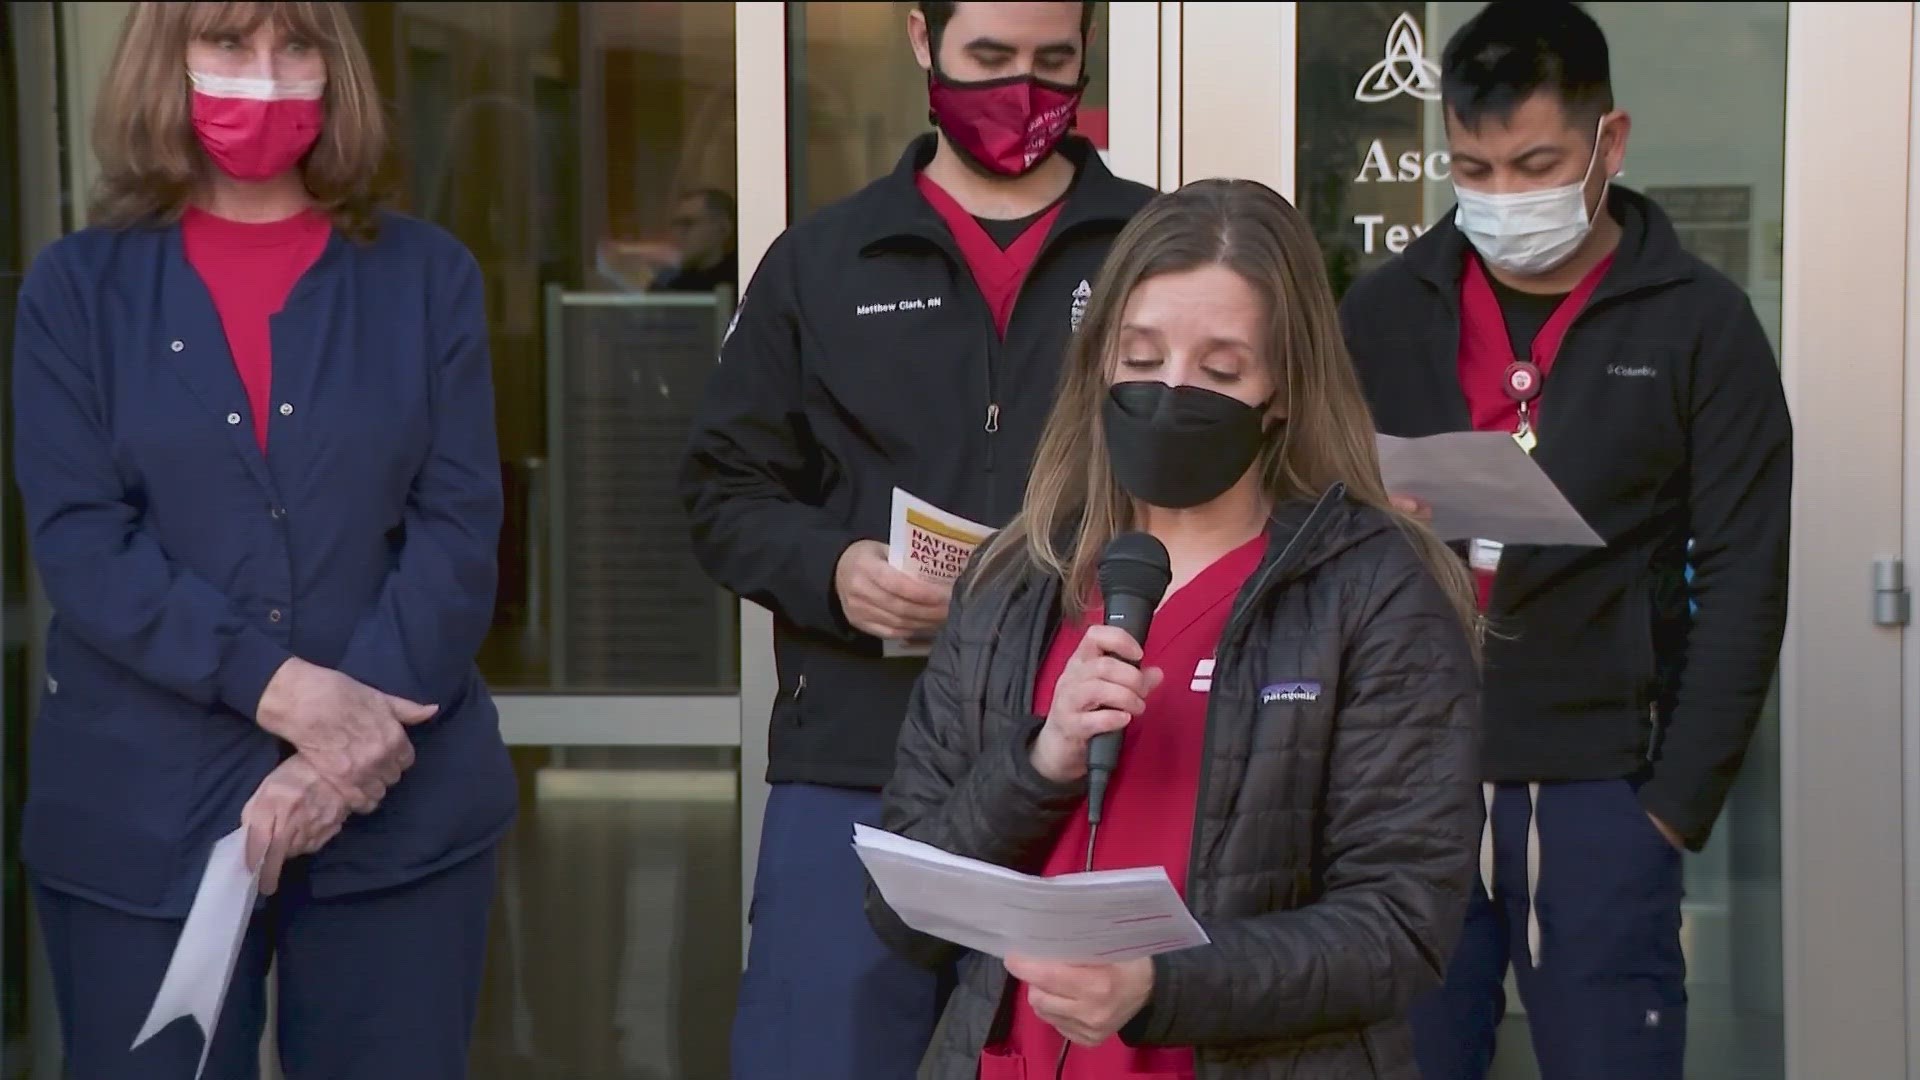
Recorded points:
917,37
1280,405
1620,126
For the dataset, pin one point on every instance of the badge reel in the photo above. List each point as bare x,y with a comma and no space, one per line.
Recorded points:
1522,384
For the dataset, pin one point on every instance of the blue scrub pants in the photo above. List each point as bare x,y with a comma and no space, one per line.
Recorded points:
372,985
1607,999
823,998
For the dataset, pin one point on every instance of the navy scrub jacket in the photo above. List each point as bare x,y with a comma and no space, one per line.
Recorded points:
184,567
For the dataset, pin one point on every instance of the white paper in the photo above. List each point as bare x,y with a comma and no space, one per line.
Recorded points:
926,540
1481,485
203,958
1103,917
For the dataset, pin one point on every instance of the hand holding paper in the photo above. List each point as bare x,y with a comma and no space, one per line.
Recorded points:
882,600
931,545
202,965
1108,916
1481,485
1088,1003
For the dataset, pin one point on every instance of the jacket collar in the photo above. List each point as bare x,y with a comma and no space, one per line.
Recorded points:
892,208
1649,254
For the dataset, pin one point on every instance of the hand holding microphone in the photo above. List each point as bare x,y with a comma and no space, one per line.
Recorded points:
1100,691
1103,687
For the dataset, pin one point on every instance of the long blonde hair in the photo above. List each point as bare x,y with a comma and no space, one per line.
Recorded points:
150,159
1329,434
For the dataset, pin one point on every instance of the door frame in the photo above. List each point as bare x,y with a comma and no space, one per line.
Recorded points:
1844,285
39,169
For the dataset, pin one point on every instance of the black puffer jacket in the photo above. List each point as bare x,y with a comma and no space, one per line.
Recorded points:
1334,839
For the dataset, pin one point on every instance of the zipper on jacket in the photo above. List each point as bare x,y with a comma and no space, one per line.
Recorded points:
992,426
1309,529
800,687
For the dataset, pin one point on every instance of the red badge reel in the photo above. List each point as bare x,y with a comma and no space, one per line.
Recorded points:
1522,381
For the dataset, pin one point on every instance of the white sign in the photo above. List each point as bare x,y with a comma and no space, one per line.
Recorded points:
1404,69
1380,167
1394,238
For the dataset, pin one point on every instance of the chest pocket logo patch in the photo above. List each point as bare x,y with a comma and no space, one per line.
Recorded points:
1081,295
1290,691
1202,677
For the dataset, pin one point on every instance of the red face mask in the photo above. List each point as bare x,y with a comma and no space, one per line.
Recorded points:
1007,125
256,129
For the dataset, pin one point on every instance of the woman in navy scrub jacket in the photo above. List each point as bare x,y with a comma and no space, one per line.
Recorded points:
254,436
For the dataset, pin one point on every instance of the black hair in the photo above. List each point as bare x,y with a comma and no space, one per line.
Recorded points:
1514,49
938,15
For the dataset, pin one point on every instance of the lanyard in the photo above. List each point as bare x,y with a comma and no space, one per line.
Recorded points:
1521,380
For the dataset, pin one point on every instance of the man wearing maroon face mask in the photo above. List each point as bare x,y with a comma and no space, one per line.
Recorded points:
908,335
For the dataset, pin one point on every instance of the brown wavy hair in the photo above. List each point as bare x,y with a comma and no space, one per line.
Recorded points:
151,162
1329,434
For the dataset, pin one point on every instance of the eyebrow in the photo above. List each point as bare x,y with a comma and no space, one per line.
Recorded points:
1214,342
989,45
1051,50
1524,155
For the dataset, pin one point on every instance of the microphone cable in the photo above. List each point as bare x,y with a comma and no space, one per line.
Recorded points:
1060,1065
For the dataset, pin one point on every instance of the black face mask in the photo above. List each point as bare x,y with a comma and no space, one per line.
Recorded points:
1177,447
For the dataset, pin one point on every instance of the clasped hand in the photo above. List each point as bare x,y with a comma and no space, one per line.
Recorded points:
295,812
351,745
1086,1003
354,735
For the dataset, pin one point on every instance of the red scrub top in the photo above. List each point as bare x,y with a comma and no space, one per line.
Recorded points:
249,269
999,273
1486,349
1150,805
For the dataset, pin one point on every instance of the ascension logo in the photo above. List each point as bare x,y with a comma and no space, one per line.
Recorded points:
1405,68
1080,297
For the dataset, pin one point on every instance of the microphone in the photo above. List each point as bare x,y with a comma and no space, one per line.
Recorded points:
1134,574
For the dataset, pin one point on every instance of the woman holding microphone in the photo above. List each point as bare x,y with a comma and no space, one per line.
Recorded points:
1298,729
254,441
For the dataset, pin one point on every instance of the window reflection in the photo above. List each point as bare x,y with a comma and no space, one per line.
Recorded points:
614,944
856,98
584,152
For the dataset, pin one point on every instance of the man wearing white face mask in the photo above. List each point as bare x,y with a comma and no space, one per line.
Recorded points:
1621,685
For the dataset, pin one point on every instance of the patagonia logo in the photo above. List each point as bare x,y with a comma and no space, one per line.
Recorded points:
1290,691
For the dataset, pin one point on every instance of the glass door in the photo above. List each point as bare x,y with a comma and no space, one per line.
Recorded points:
585,153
